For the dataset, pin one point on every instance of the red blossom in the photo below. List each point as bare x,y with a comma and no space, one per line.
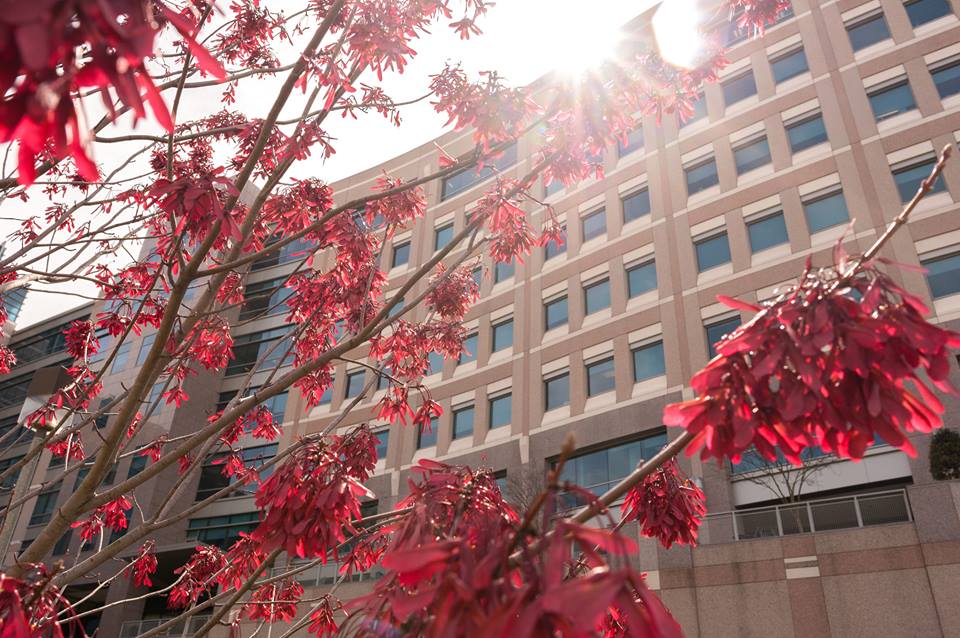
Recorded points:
153,450
452,294
35,608
817,367
197,576
144,565
275,601
314,494
667,505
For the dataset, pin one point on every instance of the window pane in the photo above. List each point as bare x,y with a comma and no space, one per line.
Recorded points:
557,391
908,179
601,377
636,205
826,212
751,156
633,142
597,296
354,384
552,249
943,275
555,186
442,236
924,11
767,232
428,438
699,112
503,335
594,224
739,88
435,363
502,272
648,362
470,346
806,133
383,438
702,176
642,278
145,346
716,332
468,178
462,422
401,254
555,313
867,32
789,66
265,297
712,252
892,101
947,79
500,408
121,357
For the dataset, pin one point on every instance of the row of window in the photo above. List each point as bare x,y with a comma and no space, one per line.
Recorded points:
871,28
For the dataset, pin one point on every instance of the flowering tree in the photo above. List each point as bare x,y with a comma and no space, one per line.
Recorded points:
814,367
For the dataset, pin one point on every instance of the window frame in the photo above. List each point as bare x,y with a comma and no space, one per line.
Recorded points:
701,163
702,240
606,359
553,301
556,376
760,218
491,400
494,326
595,284
647,345
597,213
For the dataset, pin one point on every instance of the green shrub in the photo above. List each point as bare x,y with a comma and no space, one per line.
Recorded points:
945,455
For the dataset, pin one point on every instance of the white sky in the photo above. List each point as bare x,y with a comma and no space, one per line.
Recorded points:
522,40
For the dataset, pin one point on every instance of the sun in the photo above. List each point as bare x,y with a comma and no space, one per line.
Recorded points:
676,26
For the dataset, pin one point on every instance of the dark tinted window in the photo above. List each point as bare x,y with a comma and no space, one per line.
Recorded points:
943,275
702,176
503,335
401,254
947,79
442,236
868,31
462,422
712,251
924,11
601,377
641,278
826,211
788,66
555,313
556,391
354,383
751,156
648,361
892,100
767,232
806,133
596,296
636,205
500,409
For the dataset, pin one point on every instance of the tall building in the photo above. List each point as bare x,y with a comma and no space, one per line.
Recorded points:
831,119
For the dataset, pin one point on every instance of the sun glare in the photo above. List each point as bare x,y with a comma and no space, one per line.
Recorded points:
676,27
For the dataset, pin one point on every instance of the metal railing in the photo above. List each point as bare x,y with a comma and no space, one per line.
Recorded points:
328,574
183,629
820,515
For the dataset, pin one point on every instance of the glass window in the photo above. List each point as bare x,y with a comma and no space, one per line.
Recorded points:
383,439
63,544
701,176
596,296
145,346
265,298
434,363
601,377
556,391
712,252
296,250
46,503
891,100
594,224
470,349
699,112
555,186
806,133
553,249
636,205
248,348
924,11
789,65
442,236
470,177
502,271
868,31
631,142
396,308
739,88
767,232
106,343
14,391
401,254
641,278
222,531
826,211
428,438
212,479
718,330
947,79
43,344
555,313
137,464
648,361
500,409
943,275
462,422
908,178
121,357
354,383
600,470
503,335
752,155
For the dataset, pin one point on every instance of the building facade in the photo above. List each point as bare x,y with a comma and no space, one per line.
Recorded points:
824,127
